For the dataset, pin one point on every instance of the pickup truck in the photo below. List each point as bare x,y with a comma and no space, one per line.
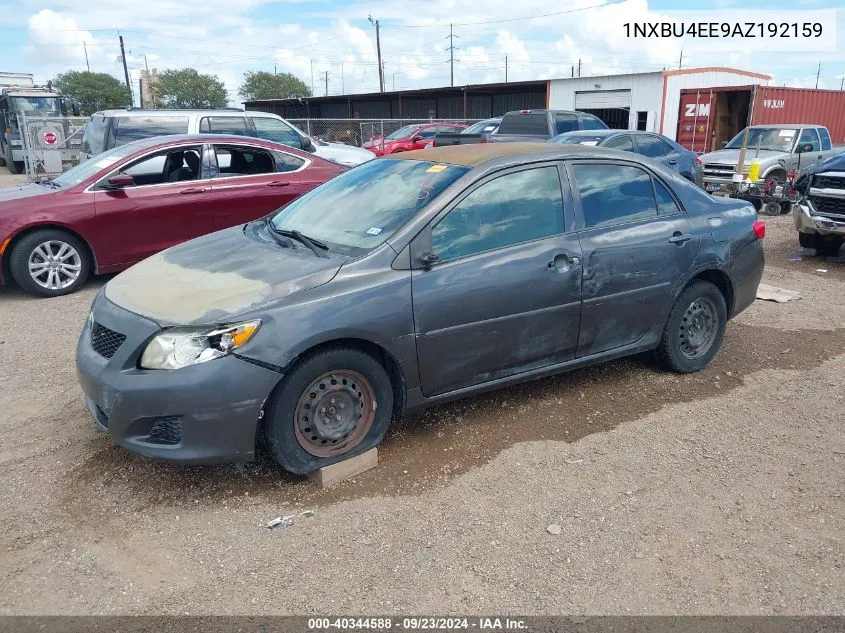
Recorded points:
528,125
782,152
820,216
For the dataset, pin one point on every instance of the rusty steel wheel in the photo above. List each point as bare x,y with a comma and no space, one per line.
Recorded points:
334,413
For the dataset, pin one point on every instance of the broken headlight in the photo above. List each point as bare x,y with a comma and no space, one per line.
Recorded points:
182,346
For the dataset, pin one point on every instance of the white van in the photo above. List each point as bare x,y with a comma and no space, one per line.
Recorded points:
112,128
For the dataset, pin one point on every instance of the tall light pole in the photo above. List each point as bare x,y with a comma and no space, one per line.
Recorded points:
394,79
378,52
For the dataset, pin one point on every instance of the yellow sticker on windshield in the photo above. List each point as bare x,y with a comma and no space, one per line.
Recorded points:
436,169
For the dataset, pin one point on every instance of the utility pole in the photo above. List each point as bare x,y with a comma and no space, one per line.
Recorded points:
342,83
326,75
579,66
85,48
312,76
274,70
818,72
506,69
573,70
842,83
125,69
451,50
378,52
681,58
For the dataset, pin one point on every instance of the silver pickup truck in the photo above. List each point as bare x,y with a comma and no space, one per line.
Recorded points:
779,149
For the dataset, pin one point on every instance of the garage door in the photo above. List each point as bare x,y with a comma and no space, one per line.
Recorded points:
602,99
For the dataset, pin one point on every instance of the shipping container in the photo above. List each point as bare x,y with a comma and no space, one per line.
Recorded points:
708,117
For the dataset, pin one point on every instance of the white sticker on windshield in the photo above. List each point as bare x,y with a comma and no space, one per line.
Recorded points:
105,162
374,230
787,133
589,142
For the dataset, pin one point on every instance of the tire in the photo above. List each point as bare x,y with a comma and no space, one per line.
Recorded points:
756,203
785,208
809,240
327,382
684,348
14,166
772,208
829,247
70,257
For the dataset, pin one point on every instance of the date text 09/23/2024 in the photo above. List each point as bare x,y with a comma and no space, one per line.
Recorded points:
417,624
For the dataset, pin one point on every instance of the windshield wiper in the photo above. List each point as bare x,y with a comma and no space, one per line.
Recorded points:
49,183
314,245
279,239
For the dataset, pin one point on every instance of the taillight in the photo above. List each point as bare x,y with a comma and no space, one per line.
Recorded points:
484,140
790,175
759,229
525,111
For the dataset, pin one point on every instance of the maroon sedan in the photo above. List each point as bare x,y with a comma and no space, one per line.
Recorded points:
135,200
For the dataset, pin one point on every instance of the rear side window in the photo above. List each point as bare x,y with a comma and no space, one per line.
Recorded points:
666,204
614,194
243,161
224,125
275,130
94,136
652,146
622,142
592,123
825,136
514,208
133,128
531,123
288,162
566,122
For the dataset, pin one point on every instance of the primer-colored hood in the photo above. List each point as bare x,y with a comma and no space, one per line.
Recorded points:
215,277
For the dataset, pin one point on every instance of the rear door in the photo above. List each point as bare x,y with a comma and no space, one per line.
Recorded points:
249,182
167,205
637,243
504,295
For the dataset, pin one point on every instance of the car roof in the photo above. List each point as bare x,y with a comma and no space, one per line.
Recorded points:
174,139
187,112
779,125
594,132
479,154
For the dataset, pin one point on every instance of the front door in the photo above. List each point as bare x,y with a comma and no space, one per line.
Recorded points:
637,243
504,295
166,206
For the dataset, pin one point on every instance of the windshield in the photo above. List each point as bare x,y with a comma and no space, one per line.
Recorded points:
482,127
83,171
44,106
358,210
577,139
771,138
403,132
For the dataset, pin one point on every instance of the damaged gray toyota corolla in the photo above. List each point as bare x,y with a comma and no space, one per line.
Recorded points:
406,282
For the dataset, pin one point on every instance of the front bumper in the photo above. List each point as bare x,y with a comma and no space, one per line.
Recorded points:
808,222
206,413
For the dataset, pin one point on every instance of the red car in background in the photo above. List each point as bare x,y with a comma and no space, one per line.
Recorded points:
409,138
132,201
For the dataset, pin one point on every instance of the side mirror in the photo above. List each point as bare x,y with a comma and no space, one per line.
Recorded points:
724,144
74,108
119,181
416,138
308,145
428,258
803,148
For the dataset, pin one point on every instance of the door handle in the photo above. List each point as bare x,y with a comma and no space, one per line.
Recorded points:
278,183
193,190
680,238
563,262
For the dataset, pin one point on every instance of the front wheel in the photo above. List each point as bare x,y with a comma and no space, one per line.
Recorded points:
333,405
695,328
50,263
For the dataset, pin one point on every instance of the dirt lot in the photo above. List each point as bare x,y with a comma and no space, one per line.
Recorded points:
720,492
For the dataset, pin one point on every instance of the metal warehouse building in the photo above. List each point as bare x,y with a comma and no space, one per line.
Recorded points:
644,101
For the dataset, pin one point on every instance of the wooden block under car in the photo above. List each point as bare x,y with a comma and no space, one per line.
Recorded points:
329,475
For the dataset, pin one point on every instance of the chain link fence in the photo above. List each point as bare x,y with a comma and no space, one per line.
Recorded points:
51,145
358,131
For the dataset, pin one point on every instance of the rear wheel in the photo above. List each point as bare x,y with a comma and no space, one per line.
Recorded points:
50,263
333,405
829,246
695,328
772,208
809,240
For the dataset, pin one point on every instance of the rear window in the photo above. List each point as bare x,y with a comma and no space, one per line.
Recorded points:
94,136
133,128
826,144
535,123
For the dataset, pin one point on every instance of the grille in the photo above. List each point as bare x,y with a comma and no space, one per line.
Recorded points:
719,170
828,206
105,341
829,182
166,431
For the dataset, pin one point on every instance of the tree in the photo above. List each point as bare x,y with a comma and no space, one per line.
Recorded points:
260,84
186,88
93,91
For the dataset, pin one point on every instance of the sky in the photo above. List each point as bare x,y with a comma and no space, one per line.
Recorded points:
311,37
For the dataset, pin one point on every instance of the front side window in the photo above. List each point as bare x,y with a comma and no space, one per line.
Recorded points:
224,125
243,161
403,132
652,146
94,136
358,210
174,165
614,194
133,128
825,136
514,208
810,136
428,132
275,130
622,142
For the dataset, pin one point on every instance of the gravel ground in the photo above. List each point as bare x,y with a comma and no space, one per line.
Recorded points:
719,492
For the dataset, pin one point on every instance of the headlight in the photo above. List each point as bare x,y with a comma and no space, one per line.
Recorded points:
182,346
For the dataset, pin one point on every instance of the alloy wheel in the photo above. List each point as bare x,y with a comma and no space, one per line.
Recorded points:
55,265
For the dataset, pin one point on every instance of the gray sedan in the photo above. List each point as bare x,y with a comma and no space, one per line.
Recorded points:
406,282
649,144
